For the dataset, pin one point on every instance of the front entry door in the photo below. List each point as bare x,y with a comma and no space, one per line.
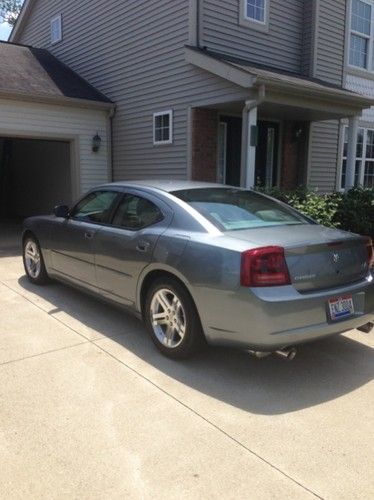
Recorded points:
229,152
266,171
230,149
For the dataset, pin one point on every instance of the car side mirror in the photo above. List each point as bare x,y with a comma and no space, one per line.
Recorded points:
61,211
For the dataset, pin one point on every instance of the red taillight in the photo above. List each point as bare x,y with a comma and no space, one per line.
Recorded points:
264,267
370,250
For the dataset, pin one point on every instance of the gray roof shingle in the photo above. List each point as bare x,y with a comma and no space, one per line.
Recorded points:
37,73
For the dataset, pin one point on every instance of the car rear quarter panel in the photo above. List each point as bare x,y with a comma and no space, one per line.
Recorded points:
266,318
211,272
198,260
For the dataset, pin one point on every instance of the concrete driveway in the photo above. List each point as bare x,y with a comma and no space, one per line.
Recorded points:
89,409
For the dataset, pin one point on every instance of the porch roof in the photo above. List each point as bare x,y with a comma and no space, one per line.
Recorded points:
281,87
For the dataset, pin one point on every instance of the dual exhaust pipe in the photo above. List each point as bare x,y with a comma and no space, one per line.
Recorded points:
288,353
366,328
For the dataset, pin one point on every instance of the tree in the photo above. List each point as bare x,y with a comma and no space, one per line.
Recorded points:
9,10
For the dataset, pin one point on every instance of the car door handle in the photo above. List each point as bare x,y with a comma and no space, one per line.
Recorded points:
88,235
143,246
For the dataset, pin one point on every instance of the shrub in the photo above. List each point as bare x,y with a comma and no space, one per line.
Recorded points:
352,211
356,211
322,208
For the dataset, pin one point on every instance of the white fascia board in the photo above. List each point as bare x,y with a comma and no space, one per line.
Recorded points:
219,68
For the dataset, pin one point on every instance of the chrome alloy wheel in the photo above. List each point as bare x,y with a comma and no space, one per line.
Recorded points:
32,259
168,318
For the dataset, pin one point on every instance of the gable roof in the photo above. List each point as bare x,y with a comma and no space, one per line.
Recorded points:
250,75
35,74
17,28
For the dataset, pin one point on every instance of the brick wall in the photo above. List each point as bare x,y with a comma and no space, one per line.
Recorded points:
204,144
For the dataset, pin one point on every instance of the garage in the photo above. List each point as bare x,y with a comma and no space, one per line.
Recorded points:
35,175
54,133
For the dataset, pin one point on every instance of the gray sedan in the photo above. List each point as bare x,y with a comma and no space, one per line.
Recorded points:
207,263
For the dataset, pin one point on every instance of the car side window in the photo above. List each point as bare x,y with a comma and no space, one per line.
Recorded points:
95,207
135,213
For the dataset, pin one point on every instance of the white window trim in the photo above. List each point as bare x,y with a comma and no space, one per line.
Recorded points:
249,22
54,19
341,158
363,159
370,38
162,113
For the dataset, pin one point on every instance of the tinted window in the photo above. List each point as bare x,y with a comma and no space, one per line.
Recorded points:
135,213
233,209
95,207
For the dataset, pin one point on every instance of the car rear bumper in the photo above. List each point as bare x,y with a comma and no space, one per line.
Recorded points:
272,318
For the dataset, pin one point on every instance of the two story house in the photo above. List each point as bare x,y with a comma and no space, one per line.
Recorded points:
359,77
243,92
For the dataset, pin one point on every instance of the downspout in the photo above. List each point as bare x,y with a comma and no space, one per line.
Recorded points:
249,105
246,135
112,113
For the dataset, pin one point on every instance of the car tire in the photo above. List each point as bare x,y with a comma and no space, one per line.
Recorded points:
172,319
33,262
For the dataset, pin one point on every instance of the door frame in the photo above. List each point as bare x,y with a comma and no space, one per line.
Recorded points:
280,147
280,152
224,166
280,144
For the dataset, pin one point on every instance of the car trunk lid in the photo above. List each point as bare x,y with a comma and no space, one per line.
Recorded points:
327,265
317,257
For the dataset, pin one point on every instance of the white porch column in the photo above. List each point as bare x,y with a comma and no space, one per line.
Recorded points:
249,146
351,154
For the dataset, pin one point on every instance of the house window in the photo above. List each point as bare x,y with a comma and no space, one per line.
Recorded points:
364,172
368,180
255,14
255,10
362,34
56,29
163,127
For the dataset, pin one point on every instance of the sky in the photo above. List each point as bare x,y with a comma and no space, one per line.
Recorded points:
5,30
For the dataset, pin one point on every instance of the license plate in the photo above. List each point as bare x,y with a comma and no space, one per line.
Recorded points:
341,307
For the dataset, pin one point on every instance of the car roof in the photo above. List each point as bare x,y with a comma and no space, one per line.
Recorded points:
165,185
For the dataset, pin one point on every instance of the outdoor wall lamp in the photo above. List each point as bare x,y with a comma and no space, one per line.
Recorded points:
298,133
96,143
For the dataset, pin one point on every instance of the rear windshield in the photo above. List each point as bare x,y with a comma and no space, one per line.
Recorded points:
231,209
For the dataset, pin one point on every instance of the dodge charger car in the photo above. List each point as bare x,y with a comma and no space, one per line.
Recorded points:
208,263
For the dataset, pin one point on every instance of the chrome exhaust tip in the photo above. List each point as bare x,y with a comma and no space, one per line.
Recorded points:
259,354
366,328
288,353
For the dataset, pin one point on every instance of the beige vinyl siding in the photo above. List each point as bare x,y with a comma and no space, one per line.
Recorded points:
133,52
328,63
324,144
281,47
78,125
308,38
330,40
364,86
